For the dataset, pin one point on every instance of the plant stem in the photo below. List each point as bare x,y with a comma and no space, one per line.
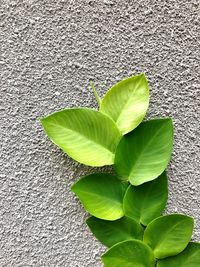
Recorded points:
98,99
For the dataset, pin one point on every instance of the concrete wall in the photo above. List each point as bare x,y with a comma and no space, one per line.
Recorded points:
49,51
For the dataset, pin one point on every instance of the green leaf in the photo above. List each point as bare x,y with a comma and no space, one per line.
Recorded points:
101,195
111,232
127,102
147,201
190,257
128,254
169,235
86,135
143,154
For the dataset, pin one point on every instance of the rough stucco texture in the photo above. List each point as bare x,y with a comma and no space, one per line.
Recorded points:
49,51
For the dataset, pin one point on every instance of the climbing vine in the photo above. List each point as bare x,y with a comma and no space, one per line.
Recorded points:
126,208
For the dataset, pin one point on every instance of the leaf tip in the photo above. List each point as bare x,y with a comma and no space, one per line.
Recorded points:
168,120
87,221
142,74
73,188
191,220
41,119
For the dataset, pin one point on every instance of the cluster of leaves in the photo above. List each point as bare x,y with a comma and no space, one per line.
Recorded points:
126,208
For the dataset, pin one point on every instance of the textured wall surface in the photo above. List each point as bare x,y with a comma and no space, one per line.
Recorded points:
49,51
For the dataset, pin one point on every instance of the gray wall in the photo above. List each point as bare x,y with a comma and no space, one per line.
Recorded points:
49,51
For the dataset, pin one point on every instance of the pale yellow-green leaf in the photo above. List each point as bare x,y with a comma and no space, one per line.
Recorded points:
86,135
127,102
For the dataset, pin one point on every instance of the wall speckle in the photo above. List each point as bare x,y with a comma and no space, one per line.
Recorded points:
49,51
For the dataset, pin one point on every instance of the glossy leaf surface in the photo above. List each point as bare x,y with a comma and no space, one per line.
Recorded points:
131,253
169,235
101,195
127,102
111,232
143,154
190,257
86,135
146,202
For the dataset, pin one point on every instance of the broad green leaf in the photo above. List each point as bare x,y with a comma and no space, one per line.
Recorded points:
111,232
190,257
147,201
86,135
169,235
143,154
101,195
127,102
131,253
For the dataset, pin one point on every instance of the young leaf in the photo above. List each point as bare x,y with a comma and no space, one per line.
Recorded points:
169,235
190,257
127,102
111,232
101,195
147,201
129,253
143,154
86,135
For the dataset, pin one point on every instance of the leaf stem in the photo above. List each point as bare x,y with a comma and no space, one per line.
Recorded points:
98,99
